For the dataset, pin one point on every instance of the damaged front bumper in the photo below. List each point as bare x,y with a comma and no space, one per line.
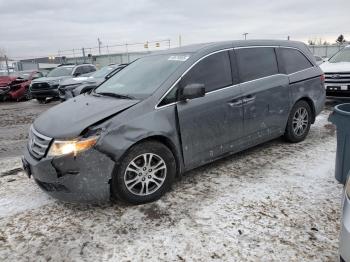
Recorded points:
84,178
4,90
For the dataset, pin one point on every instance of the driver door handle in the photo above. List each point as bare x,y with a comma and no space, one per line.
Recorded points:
249,99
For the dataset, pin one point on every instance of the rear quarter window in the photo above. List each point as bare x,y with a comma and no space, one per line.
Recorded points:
294,60
254,63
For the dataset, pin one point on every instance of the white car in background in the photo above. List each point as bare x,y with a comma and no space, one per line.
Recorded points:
337,74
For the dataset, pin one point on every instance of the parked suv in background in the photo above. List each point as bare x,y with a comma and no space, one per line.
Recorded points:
337,73
69,88
172,111
45,87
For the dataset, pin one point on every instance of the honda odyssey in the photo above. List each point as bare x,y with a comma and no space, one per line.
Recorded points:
170,112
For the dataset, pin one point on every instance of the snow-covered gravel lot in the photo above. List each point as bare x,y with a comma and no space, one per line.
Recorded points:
277,201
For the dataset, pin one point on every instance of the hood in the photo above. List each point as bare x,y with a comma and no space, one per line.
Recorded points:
9,80
53,80
74,81
340,67
67,120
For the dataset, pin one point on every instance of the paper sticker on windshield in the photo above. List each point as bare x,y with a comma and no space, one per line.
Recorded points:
181,58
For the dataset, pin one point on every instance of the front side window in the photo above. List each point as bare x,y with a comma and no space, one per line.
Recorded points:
254,63
342,56
294,60
142,77
213,71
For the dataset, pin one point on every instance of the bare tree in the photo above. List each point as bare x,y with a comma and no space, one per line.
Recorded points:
2,54
311,42
340,39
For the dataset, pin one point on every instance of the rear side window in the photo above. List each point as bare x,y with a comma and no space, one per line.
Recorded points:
213,71
294,60
254,63
91,69
79,70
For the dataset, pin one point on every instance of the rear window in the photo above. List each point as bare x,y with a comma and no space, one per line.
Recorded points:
254,63
294,60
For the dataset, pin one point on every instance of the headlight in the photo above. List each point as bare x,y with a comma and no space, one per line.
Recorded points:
59,148
347,188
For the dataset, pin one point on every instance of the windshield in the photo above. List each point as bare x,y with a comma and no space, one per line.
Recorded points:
142,77
60,71
341,56
103,71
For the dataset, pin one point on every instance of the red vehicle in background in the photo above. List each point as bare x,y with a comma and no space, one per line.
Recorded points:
15,86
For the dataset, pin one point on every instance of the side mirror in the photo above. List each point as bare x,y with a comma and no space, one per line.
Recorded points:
76,74
192,91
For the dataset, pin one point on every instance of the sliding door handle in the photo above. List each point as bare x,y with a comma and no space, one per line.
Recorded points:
235,102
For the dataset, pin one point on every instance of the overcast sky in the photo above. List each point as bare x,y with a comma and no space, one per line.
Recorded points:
35,27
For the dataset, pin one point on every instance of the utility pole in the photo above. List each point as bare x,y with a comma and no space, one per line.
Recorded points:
7,65
83,50
245,36
180,40
99,45
288,37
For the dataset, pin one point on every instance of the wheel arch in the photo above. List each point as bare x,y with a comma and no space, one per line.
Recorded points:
311,104
168,143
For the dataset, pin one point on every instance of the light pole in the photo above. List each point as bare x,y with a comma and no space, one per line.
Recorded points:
245,36
99,45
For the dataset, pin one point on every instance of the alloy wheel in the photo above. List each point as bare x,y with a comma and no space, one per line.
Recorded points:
300,121
145,174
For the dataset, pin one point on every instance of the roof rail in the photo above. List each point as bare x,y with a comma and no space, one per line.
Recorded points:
68,64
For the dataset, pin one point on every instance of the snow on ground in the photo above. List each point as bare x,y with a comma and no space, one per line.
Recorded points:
277,201
18,194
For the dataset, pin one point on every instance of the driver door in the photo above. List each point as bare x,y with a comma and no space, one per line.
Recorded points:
212,125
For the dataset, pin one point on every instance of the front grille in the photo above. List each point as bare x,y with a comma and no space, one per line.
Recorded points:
337,79
38,144
40,86
4,90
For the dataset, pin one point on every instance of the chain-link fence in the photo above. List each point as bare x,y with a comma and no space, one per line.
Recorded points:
116,53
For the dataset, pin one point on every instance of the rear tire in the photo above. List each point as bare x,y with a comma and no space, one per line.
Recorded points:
144,174
299,122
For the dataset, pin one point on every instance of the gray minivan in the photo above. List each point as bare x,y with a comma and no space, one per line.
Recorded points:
172,111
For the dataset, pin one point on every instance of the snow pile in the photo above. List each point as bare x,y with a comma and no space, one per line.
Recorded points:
277,201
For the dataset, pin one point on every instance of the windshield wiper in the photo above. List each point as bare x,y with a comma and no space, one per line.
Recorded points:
114,95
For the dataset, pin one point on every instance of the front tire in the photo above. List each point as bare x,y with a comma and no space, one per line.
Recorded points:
27,95
41,100
144,174
299,122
